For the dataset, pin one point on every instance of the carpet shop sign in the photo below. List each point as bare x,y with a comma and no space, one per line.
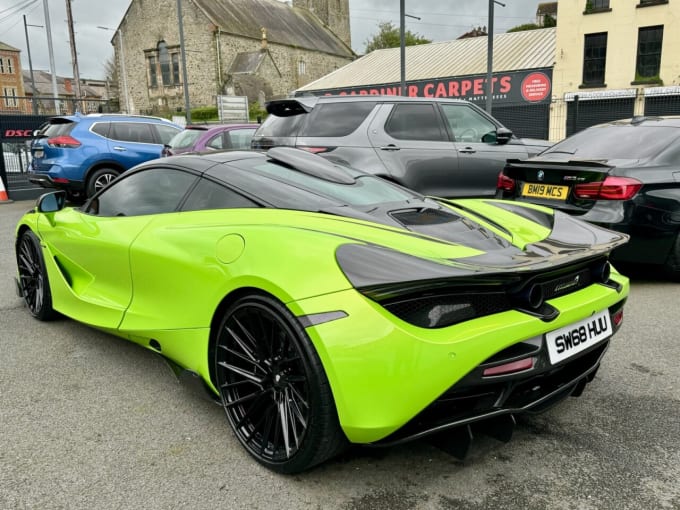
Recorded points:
512,87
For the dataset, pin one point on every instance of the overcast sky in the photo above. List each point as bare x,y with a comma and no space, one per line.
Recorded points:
440,21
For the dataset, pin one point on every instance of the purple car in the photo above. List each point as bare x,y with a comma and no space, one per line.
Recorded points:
204,137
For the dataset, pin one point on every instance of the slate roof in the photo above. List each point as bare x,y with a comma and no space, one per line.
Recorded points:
247,62
514,51
43,84
292,26
7,47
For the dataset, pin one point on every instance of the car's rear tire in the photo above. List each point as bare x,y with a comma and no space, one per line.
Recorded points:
273,386
99,179
35,285
673,262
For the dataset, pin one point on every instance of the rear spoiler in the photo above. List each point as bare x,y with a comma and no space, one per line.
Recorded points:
288,107
590,163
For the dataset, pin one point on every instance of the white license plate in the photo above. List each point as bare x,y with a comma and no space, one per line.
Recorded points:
570,340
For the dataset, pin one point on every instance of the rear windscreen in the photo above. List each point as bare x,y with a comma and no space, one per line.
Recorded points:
58,127
625,141
274,126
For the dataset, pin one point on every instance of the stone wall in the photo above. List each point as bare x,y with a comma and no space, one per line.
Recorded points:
208,56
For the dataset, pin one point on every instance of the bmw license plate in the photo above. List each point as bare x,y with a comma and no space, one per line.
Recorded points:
532,189
570,340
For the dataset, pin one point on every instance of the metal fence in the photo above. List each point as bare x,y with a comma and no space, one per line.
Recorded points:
566,116
59,106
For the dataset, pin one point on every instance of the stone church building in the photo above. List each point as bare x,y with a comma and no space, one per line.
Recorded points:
259,48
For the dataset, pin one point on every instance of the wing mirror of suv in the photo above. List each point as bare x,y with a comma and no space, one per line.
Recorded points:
51,202
503,135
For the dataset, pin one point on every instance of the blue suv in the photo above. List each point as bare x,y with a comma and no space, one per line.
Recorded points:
83,153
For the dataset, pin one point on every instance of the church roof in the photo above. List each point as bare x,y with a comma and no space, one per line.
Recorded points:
291,26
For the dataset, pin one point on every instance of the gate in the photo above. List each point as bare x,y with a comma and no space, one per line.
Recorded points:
16,132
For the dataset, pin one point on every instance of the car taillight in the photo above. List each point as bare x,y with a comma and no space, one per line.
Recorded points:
63,142
510,368
505,183
612,188
316,150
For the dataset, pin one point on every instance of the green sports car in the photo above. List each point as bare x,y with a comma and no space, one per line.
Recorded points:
323,306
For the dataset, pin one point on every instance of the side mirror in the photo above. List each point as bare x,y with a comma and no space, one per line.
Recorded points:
503,135
51,202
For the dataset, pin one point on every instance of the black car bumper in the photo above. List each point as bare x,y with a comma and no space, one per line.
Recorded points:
46,181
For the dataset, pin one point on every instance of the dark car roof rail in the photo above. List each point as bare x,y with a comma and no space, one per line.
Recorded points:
310,164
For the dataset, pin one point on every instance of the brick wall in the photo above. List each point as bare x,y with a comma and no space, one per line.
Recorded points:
11,80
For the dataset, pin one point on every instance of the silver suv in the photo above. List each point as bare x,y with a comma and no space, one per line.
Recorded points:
440,147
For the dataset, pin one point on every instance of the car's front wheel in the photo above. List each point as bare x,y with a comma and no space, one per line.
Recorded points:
99,179
35,286
273,387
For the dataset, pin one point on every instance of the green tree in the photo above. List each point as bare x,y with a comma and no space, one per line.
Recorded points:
388,37
548,21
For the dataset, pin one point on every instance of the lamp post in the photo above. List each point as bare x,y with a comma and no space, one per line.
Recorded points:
53,70
402,44
489,57
122,65
34,92
183,57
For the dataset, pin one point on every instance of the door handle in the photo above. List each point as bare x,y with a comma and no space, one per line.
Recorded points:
390,147
467,150
121,149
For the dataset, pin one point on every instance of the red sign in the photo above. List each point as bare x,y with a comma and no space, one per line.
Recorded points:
510,87
18,133
535,87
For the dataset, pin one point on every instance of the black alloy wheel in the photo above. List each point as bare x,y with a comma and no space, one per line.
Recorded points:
273,387
35,287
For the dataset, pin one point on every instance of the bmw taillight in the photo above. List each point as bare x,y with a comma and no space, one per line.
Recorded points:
63,142
612,188
505,183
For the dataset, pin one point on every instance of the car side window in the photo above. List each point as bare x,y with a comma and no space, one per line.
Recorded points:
210,195
165,133
466,124
101,128
239,138
417,121
137,132
217,142
337,119
151,191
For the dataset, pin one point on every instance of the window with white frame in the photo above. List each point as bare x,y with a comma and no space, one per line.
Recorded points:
302,67
10,94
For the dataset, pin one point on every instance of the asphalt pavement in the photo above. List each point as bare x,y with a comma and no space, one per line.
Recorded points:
91,421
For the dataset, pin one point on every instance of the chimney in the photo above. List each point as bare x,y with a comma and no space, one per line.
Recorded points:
264,38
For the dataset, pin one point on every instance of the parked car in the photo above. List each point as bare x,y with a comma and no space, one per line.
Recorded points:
83,153
623,175
202,137
323,305
439,147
